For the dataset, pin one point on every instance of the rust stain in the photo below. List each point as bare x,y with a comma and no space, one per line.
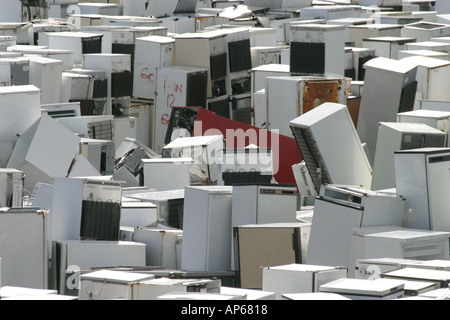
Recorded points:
316,92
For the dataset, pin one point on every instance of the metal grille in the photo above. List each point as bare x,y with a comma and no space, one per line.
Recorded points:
307,57
100,220
121,84
101,130
311,155
197,88
218,66
239,55
92,45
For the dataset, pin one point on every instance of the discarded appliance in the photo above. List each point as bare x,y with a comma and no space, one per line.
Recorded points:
326,151
425,187
403,135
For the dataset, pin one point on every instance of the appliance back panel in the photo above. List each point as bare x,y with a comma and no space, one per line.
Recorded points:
218,65
197,90
121,84
307,57
220,107
100,220
92,45
239,55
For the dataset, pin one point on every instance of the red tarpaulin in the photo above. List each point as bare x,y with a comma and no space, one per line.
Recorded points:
285,151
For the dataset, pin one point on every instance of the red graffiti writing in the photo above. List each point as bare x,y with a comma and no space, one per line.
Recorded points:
146,75
165,119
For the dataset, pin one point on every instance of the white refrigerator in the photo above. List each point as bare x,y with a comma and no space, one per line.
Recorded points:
207,228
339,209
423,179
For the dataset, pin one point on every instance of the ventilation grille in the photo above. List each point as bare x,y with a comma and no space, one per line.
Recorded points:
307,57
311,155
239,55
100,220
197,89
92,45
102,130
218,66
121,84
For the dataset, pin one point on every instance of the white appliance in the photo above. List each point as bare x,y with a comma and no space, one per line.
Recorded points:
317,48
111,284
423,53
23,247
436,119
167,173
432,78
260,73
106,284
437,105
402,135
259,103
206,228
76,87
263,203
119,75
440,277
397,242
266,245
362,289
262,55
100,153
143,112
425,30
93,127
137,213
304,183
72,258
47,134
372,268
423,179
21,107
177,86
387,47
169,204
245,165
433,44
326,136
65,55
360,57
328,12
359,32
337,210
97,104
204,150
161,250
65,109
162,49
46,74
15,71
299,278
206,50
11,187
23,31
124,127
291,96
85,208
99,8
397,81
80,43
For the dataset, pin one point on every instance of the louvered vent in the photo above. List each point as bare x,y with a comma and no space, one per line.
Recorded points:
312,157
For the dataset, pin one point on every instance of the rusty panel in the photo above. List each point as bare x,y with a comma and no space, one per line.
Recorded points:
316,92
